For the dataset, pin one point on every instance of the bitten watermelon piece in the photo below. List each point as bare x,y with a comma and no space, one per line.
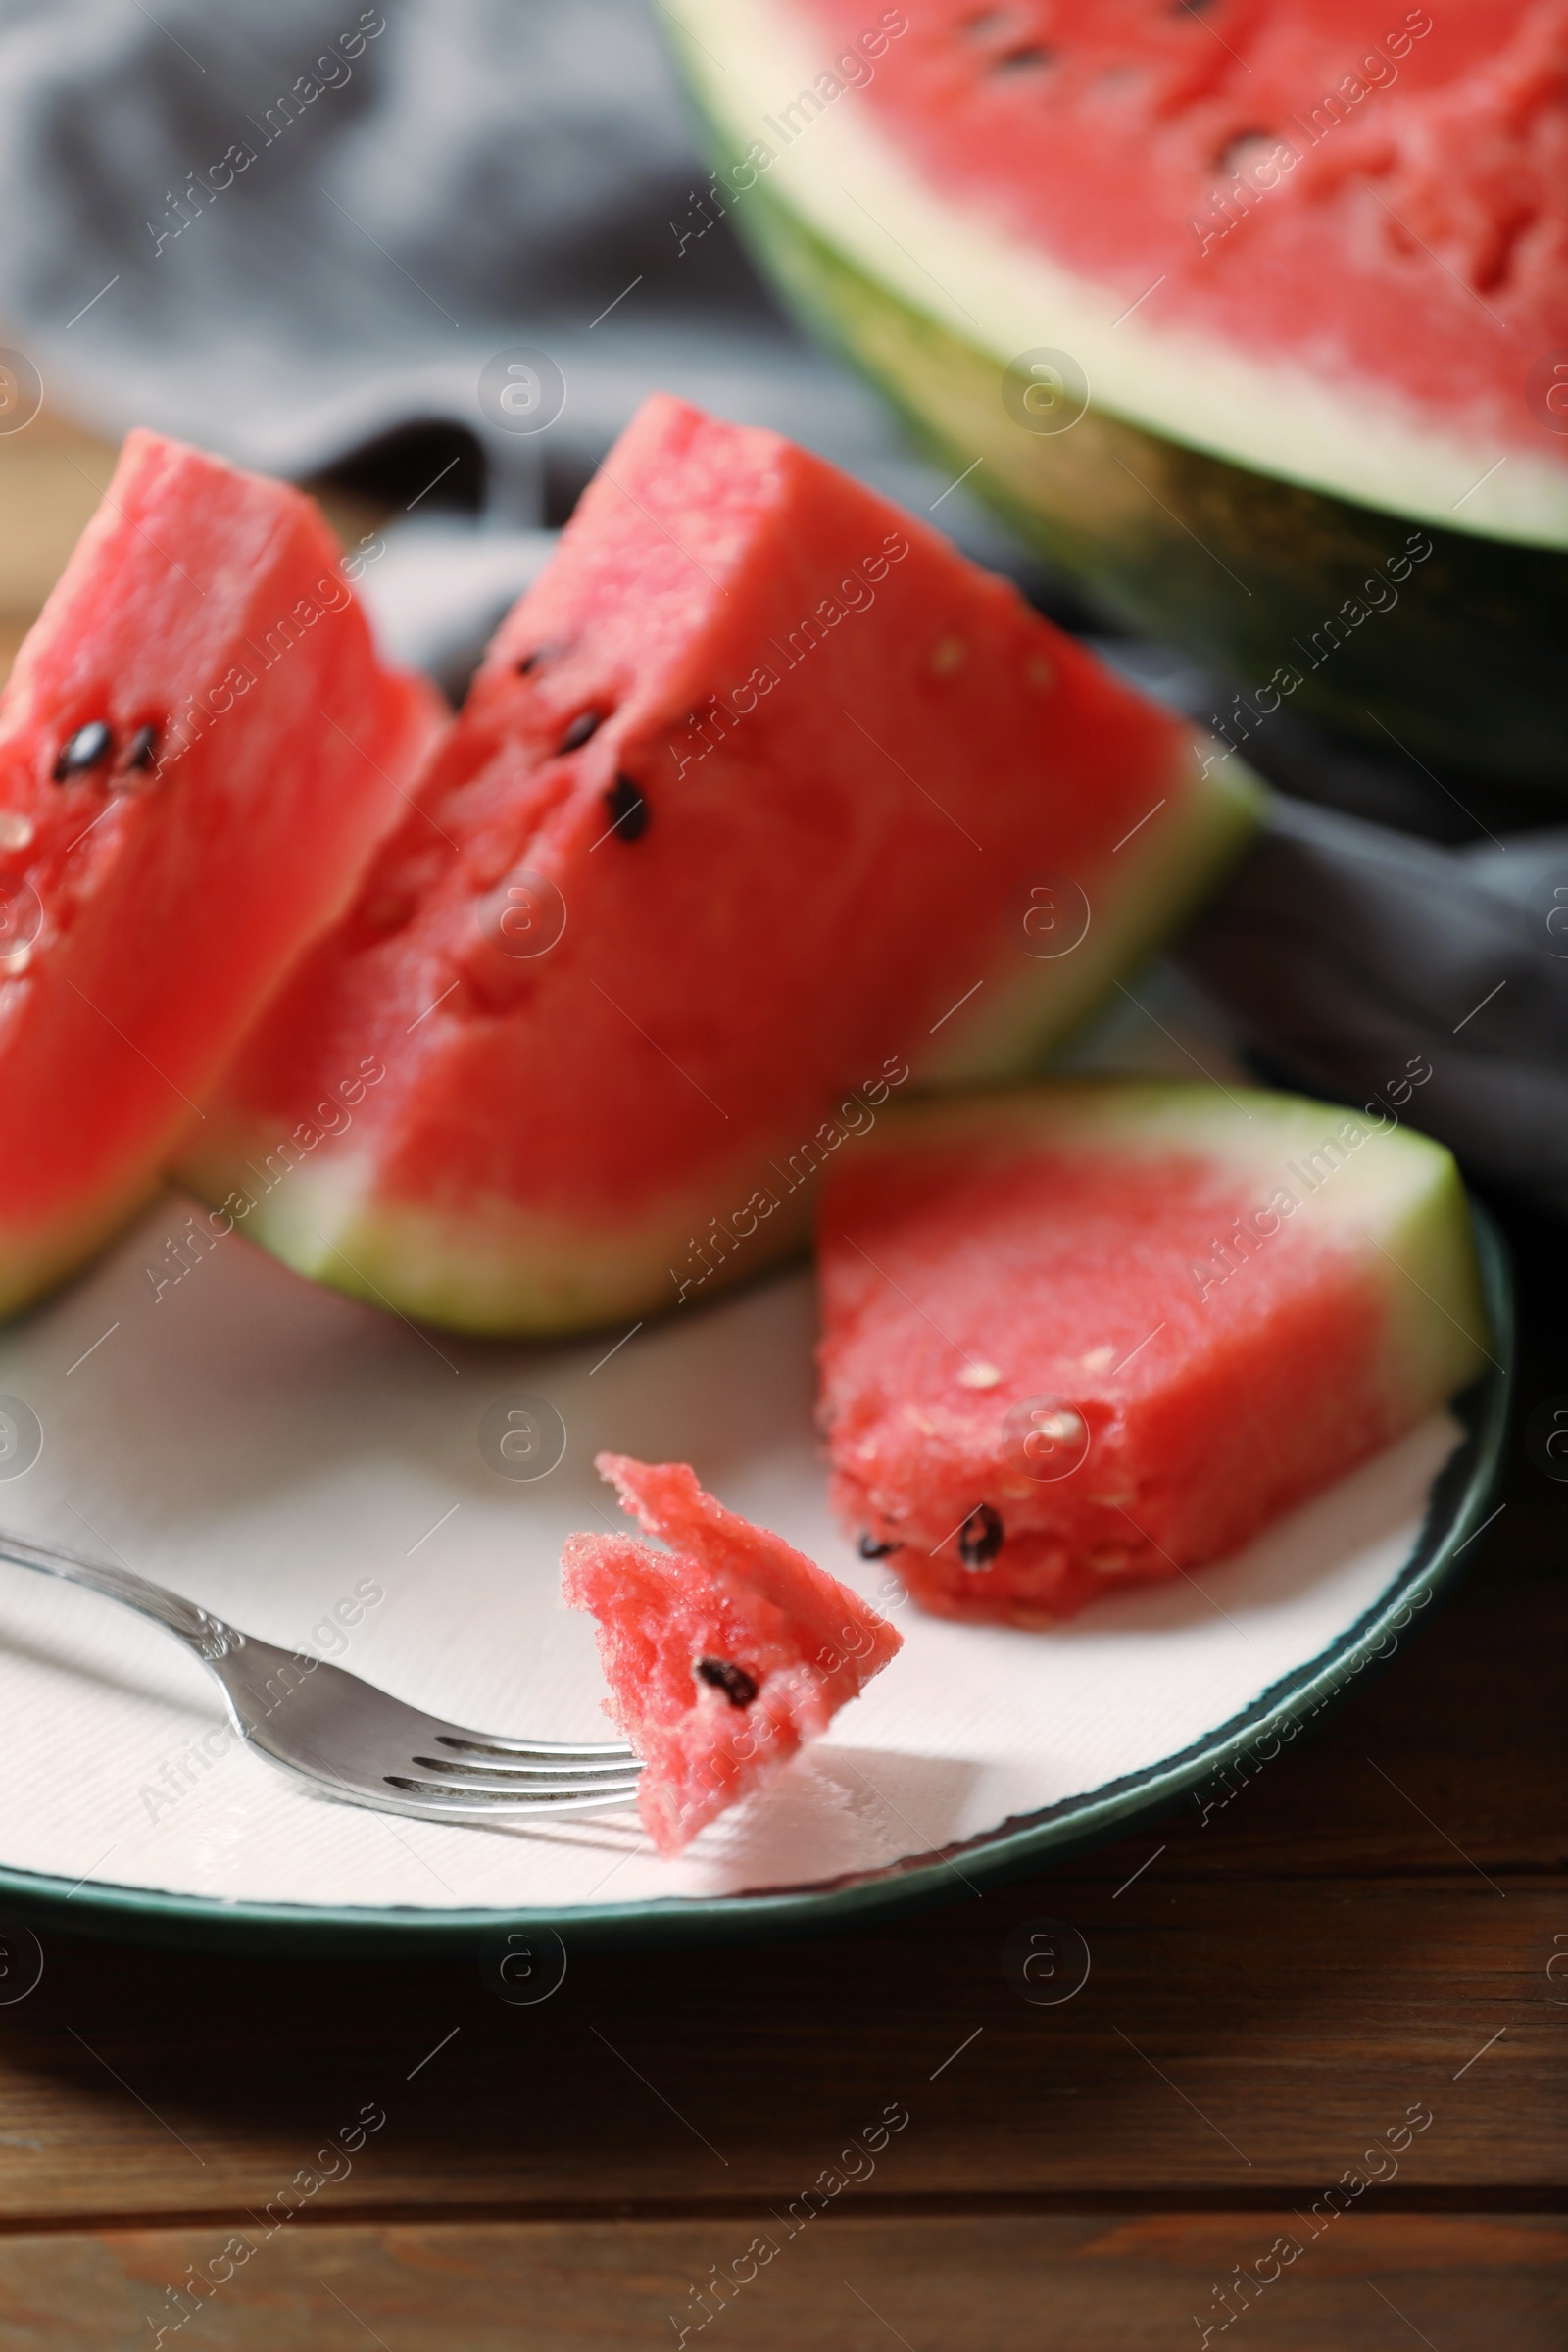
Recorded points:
762,800
724,1653
198,749
1086,1333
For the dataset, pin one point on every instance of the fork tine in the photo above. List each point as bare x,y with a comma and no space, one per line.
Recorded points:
421,1769
507,1798
549,1751
525,1772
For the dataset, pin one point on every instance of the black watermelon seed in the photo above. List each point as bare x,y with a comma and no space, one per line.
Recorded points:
980,1537
736,1683
1021,60
89,746
628,811
870,1549
142,748
532,661
579,732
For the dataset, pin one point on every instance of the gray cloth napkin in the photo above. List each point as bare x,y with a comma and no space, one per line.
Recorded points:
431,184
272,229
1390,971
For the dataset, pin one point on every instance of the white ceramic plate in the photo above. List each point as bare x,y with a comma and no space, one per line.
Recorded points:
290,1458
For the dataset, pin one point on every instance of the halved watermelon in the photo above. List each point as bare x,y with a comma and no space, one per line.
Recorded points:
198,748
1094,1330
763,801
1307,266
723,1653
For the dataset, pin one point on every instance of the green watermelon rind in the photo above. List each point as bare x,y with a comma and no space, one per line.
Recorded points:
36,1259
1170,539
1253,572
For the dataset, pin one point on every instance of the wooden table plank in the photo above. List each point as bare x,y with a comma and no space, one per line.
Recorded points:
51,477
1232,2036
1466,1724
1095,2283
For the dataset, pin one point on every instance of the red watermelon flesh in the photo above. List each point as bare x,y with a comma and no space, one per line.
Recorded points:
198,749
1378,196
1095,1333
737,830
724,1653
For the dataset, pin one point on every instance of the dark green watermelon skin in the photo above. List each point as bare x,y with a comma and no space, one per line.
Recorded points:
1466,669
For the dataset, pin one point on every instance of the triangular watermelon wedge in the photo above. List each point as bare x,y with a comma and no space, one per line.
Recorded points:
723,1653
1095,1332
764,805
198,749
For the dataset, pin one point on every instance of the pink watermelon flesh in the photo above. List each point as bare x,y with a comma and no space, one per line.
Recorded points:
741,814
1086,1335
1403,222
724,1653
198,749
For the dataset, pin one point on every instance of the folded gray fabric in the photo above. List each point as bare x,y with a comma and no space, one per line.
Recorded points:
287,228
297,230
1432,982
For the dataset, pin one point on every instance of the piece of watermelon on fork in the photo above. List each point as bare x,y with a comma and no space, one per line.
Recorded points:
724,1653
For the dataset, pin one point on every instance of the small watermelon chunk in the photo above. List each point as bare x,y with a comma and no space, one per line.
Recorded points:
198,750
1086,1333
762,800
724,1653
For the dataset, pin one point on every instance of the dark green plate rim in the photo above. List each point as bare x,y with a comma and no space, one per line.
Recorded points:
1456,1512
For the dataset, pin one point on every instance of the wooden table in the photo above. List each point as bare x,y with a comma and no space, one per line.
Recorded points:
1374,1930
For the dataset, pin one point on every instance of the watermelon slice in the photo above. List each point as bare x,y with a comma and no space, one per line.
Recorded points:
724,1653
1329,301
763,801
1093,1332
198,749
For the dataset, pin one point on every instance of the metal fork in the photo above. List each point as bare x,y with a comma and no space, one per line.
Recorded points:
352,1740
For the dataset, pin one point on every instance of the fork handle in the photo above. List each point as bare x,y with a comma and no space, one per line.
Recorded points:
208,1636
